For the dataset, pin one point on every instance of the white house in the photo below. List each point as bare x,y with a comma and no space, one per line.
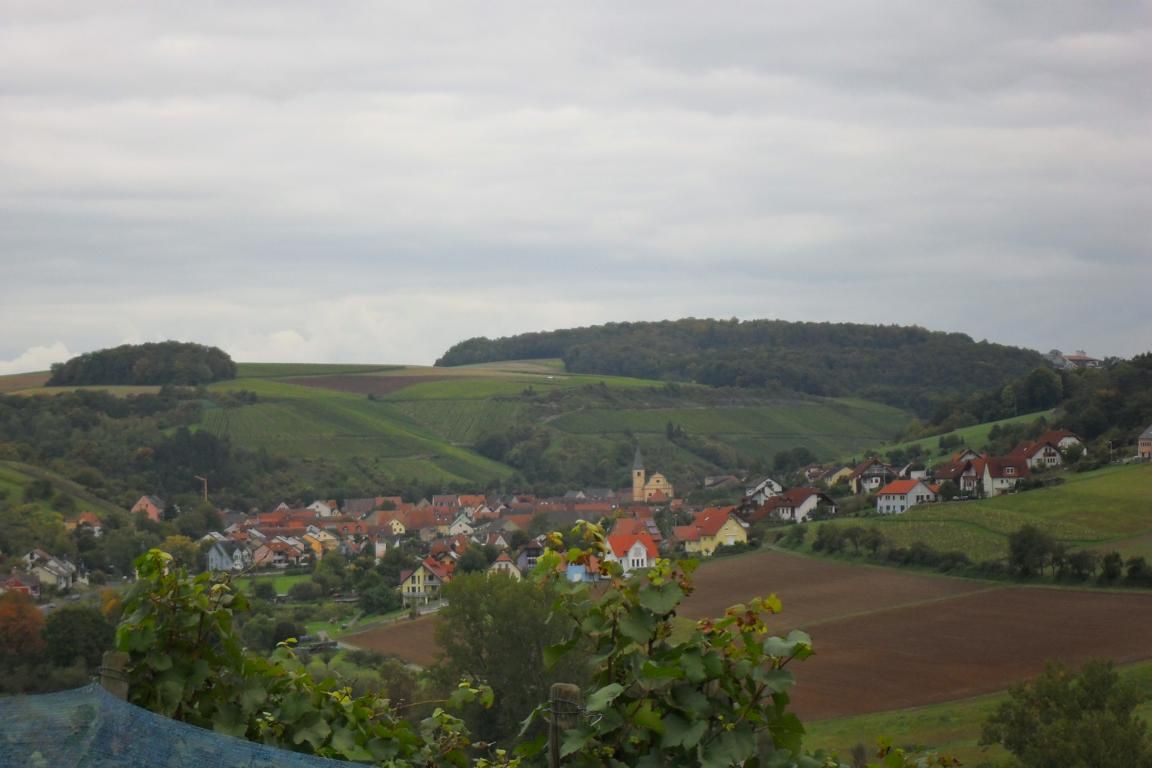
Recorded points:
763,490
901,495
1001,474
633,551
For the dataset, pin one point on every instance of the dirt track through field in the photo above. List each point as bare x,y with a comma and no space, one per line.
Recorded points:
888,639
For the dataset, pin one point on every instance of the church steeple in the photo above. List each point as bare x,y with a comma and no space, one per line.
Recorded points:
638,476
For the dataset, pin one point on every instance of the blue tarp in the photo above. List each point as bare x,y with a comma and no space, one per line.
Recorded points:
90,728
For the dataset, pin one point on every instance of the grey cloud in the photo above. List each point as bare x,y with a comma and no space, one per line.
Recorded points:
286,176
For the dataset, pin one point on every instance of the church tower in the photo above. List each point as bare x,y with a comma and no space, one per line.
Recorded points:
638,476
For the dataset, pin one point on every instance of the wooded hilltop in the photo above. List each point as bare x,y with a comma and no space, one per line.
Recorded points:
905,366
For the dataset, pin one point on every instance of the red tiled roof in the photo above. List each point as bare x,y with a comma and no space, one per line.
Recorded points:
621,543
997,465
899,487
686,533
711,520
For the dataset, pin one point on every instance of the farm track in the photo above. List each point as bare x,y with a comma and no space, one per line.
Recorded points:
888,639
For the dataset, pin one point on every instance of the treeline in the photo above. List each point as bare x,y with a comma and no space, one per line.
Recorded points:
1112,402
1032,553
908,367
168,362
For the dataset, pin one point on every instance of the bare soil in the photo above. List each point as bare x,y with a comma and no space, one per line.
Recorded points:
887,639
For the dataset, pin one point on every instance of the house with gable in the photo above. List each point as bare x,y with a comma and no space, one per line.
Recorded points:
89,521
51,571
504,565
461,526
634,551
424,584
762,491
1038,455
229,556
967,475
709,530
1063,440
836,475
797,505
870,476
1144,444
1002,473
901,495
528,555
152,506
25,583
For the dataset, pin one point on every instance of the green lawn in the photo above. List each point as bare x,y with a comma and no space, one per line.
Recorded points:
951,728
1103,510
282,582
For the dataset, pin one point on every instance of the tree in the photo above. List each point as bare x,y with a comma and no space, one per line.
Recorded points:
78,632
264,589
1066,719
472,561
21,628
495,629
1029,550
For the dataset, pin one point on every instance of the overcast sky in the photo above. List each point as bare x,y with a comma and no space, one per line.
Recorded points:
375,181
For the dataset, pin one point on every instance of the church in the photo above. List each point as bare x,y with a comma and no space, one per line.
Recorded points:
644,488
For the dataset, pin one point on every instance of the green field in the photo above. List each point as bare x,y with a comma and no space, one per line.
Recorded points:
951,728
282,370
1108,509
418,422
826,427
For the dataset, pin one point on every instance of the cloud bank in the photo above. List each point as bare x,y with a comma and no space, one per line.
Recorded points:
362,182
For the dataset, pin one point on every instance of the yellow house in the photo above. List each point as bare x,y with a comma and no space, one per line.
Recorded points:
711,529
393,526
644,488
423,585
840,475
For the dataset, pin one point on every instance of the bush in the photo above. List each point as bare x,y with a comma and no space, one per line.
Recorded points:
305,591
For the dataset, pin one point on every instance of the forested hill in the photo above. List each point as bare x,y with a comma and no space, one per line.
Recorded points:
908,367
168,362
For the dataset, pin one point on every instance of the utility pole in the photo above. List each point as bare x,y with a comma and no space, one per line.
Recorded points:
203,480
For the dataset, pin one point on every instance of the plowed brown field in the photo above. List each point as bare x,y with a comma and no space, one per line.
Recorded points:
887,639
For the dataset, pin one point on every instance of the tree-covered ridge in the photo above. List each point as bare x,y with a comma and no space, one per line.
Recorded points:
909,367
168,362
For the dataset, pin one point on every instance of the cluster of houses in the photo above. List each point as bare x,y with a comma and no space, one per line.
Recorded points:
442,528
898,489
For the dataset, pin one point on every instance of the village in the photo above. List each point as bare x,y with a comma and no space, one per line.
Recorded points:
643,522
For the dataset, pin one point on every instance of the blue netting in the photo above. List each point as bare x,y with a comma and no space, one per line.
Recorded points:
90,728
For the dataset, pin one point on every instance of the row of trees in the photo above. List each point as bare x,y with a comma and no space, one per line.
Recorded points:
1032,553
909,367
168,362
